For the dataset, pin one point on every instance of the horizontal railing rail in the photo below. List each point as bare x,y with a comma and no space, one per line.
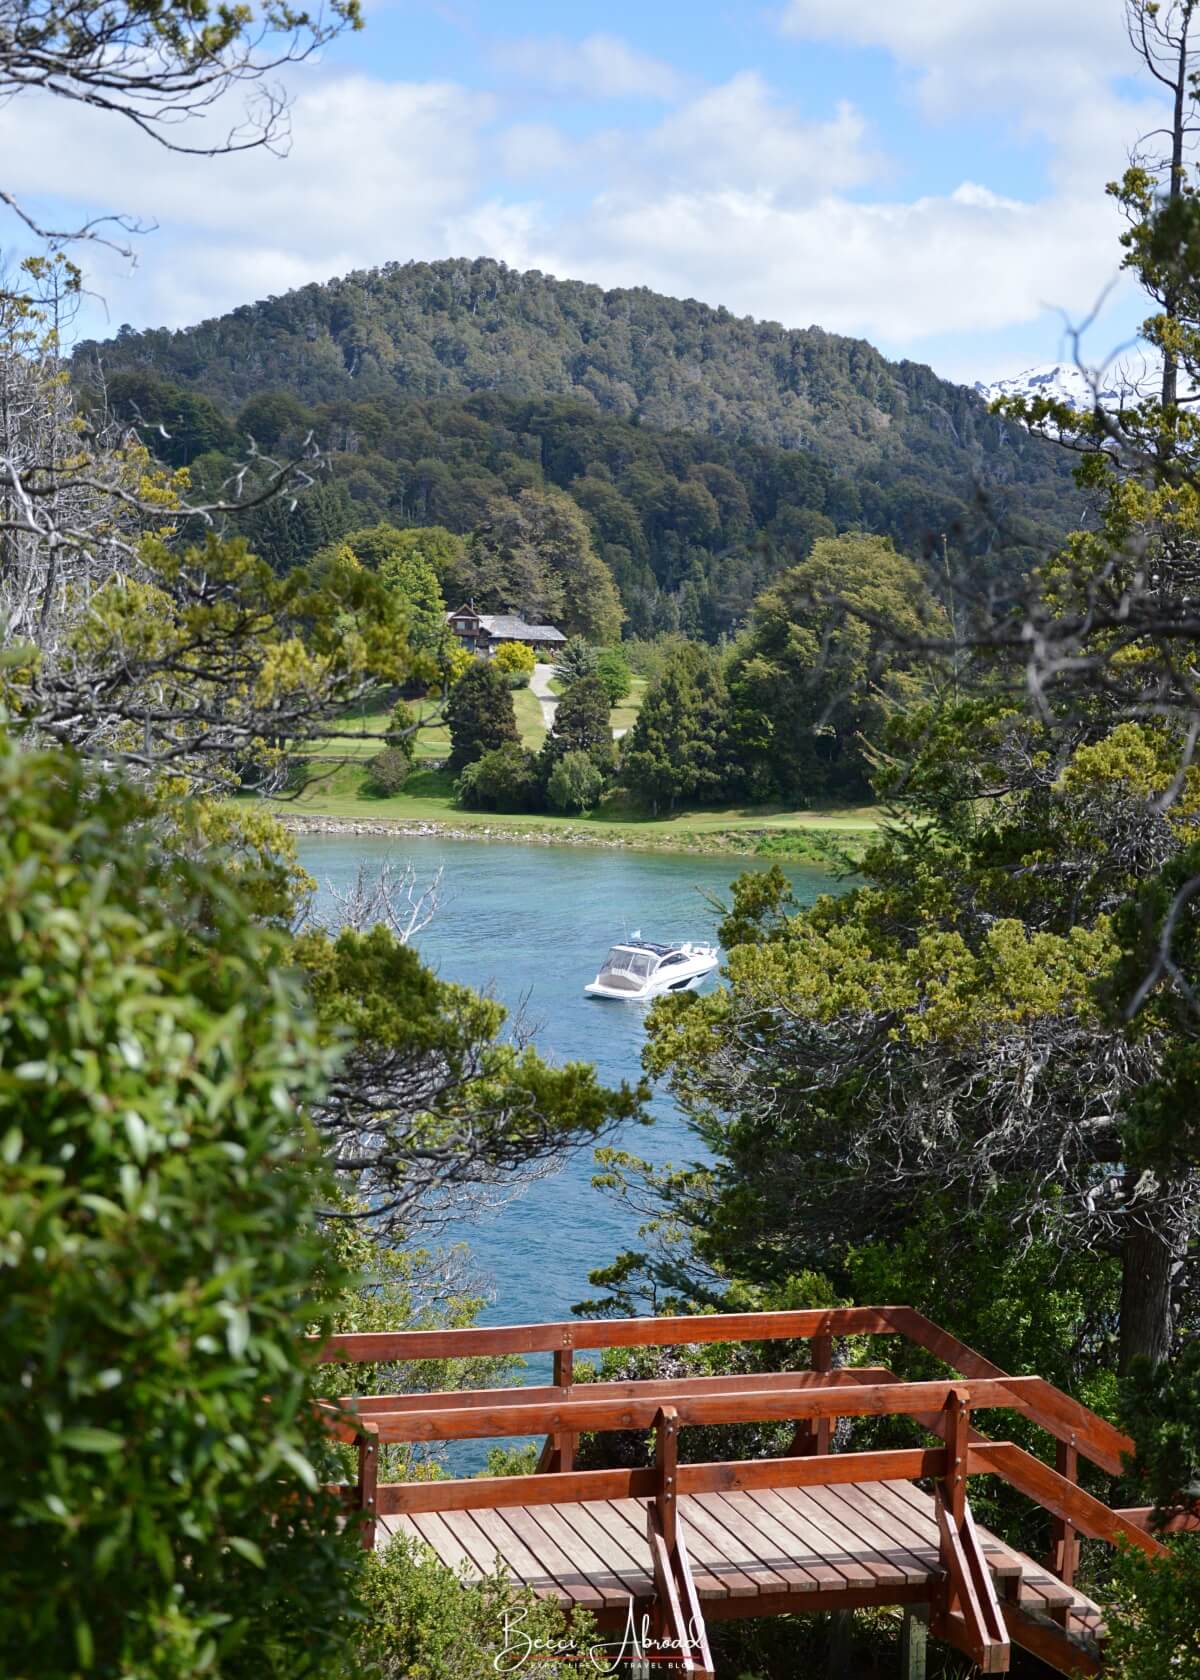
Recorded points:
1048,1407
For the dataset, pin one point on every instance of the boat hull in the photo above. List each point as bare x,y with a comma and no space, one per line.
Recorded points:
679,980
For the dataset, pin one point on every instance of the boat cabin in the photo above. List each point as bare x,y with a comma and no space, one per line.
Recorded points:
627,967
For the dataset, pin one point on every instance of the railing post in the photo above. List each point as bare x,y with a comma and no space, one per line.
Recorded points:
368,1482
914,1642
1064,1538
666,1463
564,1371
957,1432
822,1359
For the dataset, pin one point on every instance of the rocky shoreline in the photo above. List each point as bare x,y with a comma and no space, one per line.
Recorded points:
425,829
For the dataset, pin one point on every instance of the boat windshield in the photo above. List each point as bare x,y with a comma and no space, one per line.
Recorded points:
640,964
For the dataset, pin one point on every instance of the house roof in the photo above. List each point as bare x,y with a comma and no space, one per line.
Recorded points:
508,625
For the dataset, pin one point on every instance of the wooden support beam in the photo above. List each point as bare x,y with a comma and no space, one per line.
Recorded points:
914,1642
1064,1541
967,1613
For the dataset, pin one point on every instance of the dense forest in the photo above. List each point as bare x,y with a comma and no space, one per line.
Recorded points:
706,452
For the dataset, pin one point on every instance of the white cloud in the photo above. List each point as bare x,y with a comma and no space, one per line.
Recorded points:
740,134
967,262
601,66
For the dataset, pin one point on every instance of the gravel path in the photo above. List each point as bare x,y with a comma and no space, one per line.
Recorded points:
539,683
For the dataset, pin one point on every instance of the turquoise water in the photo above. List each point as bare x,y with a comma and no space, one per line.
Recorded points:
531,923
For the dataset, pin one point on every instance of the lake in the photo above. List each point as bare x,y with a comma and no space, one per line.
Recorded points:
531,923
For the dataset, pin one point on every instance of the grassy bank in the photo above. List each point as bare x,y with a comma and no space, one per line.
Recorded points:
428,801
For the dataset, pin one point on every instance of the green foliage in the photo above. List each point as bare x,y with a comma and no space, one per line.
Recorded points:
388,771
812,683
581,724
1152,1611
517,661
677,750
534,556
410,576
480,714
504,779
576,659
158,1513
575,783
422,1621
178,424
693,509
613,670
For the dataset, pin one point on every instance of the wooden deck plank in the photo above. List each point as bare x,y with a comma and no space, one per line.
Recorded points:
436,1532
870,1520
831,1567
841,1539
576,1586
710,1546
522,1564
765,1540
561,1524
1001,1560
622,1559
719,1530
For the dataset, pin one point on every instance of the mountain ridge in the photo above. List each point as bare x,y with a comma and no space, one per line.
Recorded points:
461,325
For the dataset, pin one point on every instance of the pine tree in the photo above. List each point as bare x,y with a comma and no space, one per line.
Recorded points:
677,749
480,714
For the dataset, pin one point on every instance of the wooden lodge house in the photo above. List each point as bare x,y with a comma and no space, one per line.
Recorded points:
483,633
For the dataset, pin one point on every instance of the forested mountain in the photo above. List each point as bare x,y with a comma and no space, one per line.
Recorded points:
706,451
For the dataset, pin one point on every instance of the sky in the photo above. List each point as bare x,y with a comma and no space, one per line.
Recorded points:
925,174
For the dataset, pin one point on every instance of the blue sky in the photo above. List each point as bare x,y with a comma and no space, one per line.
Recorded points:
927,174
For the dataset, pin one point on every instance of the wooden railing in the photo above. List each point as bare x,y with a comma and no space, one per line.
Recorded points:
965,1611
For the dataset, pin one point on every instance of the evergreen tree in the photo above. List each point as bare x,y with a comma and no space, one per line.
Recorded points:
678,748
581,724
480,714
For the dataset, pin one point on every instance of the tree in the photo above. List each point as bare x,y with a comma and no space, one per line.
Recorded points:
677,748
534,556
613,670
824,663
575,783
159,1512
576,659
517,661
134,633
480,714
505,779
581,724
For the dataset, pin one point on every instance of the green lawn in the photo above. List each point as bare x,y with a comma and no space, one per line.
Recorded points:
623,715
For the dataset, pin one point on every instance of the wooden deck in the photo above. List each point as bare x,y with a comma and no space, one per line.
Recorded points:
794,1548
684,1544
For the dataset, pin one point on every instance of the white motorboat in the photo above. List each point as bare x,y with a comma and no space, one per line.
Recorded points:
637,968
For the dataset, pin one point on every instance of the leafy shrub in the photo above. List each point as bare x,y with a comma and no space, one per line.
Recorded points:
516,661
157,1515
423,1622
576,782
502,780
612,668
1153,1612
388,771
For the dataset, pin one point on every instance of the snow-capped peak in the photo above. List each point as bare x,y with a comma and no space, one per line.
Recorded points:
1065,383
